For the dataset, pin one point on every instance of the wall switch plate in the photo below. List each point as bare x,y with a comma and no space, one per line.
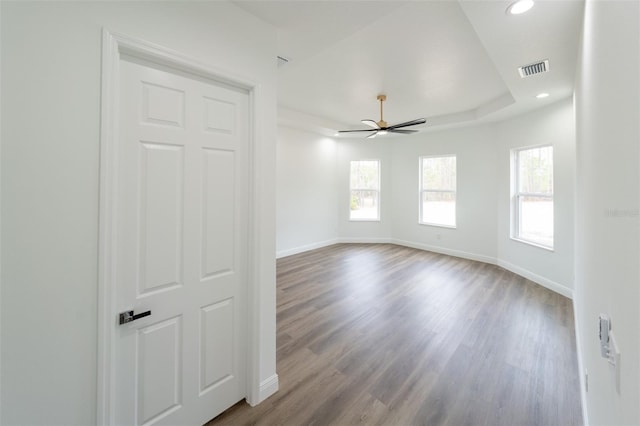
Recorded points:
586,381
604,330
609,347
614,359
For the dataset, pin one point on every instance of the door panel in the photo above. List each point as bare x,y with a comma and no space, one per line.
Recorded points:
181,246
162,105
219,115
160,215
159,349
219,212
216,344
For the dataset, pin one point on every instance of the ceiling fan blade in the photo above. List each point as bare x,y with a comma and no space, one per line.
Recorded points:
403,131
372,135
408,123
371,123
351,131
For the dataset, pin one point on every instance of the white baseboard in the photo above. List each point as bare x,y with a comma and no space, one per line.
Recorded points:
547,283
583,389
538,279
544,282
307,247
363,240
449,252
267,388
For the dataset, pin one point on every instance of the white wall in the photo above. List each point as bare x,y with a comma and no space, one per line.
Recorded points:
51,74
483,165
607,100
475,233
306,191
553,125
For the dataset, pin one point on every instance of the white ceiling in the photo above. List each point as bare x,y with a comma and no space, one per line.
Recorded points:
452,62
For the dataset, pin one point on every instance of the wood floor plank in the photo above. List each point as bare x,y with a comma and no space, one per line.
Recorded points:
379,334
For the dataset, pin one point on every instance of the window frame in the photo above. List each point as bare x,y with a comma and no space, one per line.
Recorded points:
378,191
422,190
517,195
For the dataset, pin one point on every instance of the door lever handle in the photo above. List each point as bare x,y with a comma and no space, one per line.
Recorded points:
128,316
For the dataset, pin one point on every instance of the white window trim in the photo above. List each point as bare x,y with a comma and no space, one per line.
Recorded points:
378,219
516,219
421,190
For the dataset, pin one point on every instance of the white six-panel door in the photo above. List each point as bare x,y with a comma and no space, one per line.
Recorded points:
181,246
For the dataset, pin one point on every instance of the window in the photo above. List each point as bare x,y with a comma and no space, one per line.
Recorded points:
532,199
365,190
438,191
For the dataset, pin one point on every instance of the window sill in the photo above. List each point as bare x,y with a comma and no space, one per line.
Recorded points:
438,225
364,220
533,244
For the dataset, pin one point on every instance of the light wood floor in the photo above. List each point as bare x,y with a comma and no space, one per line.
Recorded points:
383,334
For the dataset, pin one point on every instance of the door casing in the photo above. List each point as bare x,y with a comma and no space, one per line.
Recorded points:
113,46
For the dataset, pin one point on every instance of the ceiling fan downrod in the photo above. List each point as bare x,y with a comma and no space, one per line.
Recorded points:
382,123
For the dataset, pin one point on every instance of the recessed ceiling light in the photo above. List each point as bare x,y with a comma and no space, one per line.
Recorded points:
542,95
520,6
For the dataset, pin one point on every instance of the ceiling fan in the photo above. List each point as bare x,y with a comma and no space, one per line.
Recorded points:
381,127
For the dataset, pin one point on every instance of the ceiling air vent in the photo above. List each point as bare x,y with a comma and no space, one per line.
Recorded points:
532,69
282,61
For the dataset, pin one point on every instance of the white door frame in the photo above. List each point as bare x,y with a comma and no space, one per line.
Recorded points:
113,46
